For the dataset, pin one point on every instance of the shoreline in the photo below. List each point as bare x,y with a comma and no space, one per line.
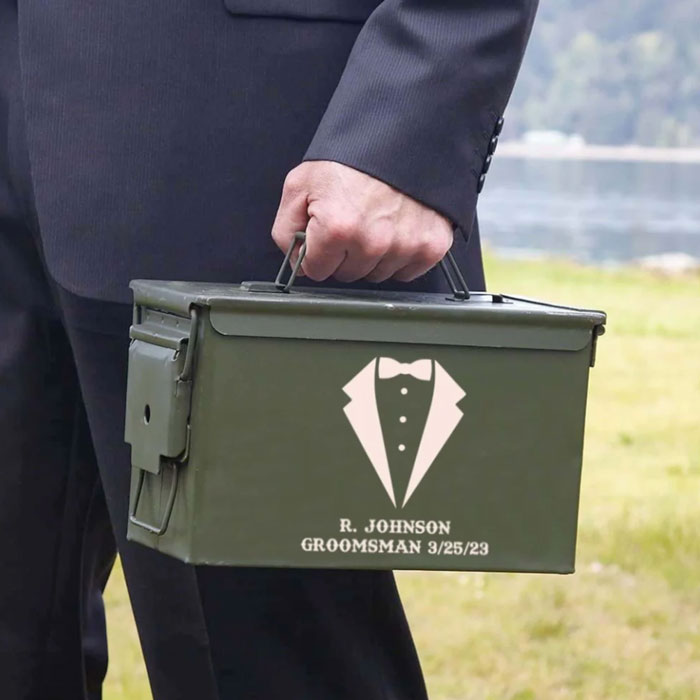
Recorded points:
669,264
590,152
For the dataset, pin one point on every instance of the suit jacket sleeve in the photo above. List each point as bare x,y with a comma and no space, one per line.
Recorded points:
421,96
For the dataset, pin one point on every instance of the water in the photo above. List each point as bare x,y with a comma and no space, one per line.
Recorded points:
600,212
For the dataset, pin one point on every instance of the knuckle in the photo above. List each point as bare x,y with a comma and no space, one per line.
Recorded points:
423,256
293,182
435,249
375,245
278,236
342,228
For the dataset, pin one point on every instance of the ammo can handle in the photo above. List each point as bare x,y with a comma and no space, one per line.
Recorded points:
165,521
282,286
457,293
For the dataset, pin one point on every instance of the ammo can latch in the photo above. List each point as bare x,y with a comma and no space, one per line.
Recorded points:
159,391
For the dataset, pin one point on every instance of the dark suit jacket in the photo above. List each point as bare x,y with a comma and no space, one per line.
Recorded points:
160,132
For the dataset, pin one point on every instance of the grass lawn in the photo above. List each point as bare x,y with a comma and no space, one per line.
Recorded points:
627,624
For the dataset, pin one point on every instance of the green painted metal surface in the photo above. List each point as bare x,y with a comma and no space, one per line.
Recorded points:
360,429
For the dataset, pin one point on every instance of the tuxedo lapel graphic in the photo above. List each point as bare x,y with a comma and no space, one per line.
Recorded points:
443,417
363,415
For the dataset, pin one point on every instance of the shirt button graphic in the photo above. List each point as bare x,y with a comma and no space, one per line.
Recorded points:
402,419
402,448
404,390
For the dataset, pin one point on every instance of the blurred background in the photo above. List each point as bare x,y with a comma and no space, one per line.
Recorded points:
601,160
593,200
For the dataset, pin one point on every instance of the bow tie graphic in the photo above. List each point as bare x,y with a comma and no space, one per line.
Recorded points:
389,368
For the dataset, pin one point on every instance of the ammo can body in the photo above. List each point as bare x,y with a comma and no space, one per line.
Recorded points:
350,429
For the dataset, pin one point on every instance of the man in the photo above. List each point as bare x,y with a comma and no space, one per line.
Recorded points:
152,140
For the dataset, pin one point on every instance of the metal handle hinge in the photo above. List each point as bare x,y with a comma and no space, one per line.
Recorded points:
448,269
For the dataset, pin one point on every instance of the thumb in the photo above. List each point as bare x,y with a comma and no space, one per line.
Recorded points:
292,213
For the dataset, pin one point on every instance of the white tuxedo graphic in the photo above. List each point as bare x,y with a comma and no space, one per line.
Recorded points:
363,415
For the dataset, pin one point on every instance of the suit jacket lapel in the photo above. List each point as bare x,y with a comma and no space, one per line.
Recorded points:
443,417
363,416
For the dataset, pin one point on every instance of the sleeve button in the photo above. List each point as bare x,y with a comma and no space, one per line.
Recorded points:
499,127
487,164
492,145
480,184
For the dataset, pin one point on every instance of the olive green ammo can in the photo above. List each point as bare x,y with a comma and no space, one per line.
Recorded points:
356,429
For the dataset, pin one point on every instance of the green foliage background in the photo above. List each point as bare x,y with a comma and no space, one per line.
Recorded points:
614,72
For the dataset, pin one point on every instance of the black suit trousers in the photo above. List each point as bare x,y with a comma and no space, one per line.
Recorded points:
206,632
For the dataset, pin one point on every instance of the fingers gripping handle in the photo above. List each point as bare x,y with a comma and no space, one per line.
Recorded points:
450,269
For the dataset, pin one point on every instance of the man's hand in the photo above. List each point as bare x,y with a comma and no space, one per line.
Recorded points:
357,226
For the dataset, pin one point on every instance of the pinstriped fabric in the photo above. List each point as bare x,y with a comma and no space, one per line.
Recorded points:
418,100
344,10
160,133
